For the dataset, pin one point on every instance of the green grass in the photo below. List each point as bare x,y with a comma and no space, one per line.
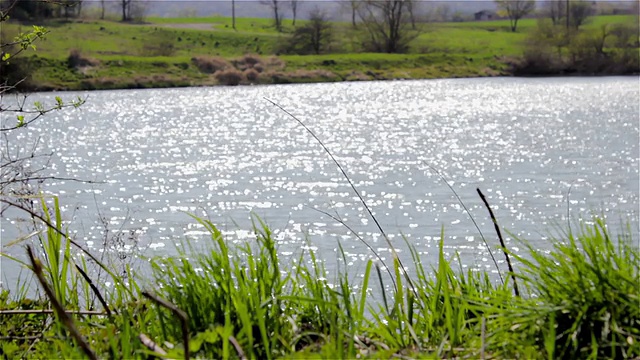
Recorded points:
579,300
155,53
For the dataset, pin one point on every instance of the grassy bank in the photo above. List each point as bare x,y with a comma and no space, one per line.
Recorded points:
578,300
164,52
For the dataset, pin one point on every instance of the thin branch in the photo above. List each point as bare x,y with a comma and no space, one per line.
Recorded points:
39,113
44,178
355,190
236,345
337,219
34,215
504,247
184,319
151,345
473,220
51,311
94,288
65,319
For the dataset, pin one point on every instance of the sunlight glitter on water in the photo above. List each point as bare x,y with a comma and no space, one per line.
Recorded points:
223,153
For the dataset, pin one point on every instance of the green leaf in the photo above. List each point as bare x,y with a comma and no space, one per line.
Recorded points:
59,101
20,120
6,56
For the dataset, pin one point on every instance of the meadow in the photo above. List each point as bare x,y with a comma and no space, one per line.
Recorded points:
98,54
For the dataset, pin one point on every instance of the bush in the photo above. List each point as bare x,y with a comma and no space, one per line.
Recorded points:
588,287
251,75
248,61
210,65
312,38
229,77
275,63
76,60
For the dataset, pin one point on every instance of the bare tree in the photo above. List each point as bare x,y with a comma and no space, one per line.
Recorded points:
554,10
351,6
313,37
126,7
233,14
410,8
442,13
294,9
579,12
102,9
388,25
515,10
275,8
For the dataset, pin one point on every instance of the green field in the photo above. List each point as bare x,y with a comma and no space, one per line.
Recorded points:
160,51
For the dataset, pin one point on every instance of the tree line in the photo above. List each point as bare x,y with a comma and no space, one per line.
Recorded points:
38,10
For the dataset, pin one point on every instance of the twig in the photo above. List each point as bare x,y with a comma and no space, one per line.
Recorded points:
484,240
65,319
151,345
569,210
10,338
483,330
236,345
51,311
33,214
504,247
94,288
340,221
355,190
184,319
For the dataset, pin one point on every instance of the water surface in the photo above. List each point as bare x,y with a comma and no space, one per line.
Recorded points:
540,149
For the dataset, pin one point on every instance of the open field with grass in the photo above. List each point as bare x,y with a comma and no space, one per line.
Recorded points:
94,54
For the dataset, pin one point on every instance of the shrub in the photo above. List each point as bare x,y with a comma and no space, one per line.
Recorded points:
229,77
258,67
588,287
251,59
76,60
251,75
210,65
312,38
246,62
274,62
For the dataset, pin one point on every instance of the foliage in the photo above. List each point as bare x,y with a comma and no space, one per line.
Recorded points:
580,301
313,37
229,76
579,12
596,306
608,48
388,25
121,52
515,10
276,8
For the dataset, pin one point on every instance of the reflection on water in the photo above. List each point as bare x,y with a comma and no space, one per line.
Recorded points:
538,148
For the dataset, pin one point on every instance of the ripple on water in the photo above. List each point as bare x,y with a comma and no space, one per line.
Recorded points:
535,146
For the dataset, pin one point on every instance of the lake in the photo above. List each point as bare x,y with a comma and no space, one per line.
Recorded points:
543,150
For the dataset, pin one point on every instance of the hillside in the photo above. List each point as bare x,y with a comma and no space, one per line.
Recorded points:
165,52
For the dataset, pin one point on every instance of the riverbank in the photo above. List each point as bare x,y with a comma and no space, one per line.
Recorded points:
98,54
214,301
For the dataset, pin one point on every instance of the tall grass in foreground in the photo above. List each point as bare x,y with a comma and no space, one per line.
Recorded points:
580,300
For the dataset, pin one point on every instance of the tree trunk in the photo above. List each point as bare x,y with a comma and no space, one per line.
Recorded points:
233,14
